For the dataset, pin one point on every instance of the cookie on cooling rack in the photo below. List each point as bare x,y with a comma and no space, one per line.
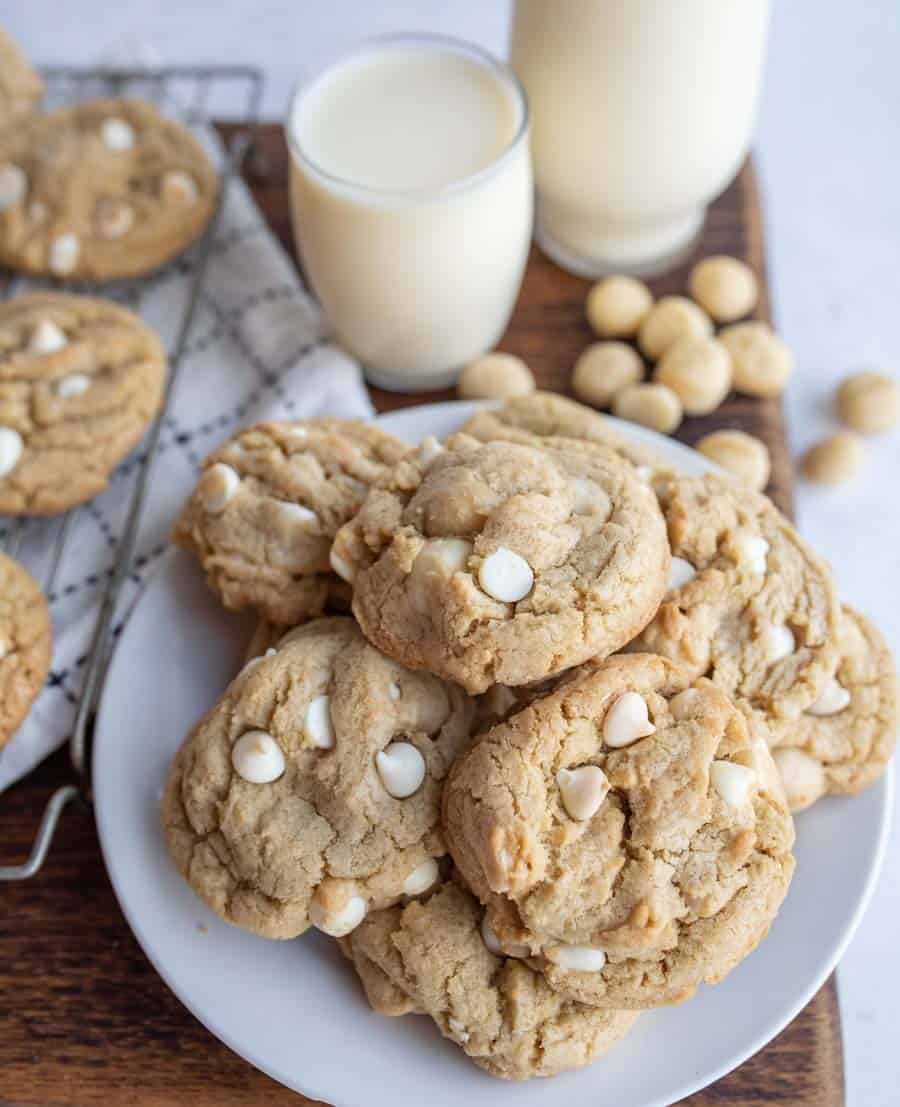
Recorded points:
441,958
103,190
20,89
80,379
310,794
24,644
267,505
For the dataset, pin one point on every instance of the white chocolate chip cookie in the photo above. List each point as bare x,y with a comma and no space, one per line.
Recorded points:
109,189
499,1011
268,504
80,379
506,563
626,831
760,614
278,812
843,741
24,644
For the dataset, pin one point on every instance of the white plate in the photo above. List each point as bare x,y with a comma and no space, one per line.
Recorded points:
295,1010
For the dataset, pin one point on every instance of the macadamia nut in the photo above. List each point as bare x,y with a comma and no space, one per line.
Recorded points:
699,371
495,376
651,405
616,306
724,287
760,362
742,455
669,319
834,460
869,402
603,370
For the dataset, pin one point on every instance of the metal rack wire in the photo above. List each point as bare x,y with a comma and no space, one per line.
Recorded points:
189,93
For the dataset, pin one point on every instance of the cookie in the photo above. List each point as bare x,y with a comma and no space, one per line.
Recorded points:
548,415
80,379
497,1009
310,793
500,563
627,831
268,504
24,644
843,741
21,88
751,606
102,190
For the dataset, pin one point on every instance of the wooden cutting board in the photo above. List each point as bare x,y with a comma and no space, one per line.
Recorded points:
84,1019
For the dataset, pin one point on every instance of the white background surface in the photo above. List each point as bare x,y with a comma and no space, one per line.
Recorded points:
829,147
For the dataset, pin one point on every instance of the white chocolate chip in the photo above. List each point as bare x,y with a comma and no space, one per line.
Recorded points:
113,218
75,384
11,446
626,721
429,449
179,187
834,698
680,572
117,134
589,498
644,473
394,691
299,434
317,723
582,790
64,251
257,757
13,186
340,923
401,768
2,649
298,514
506,576
421,878
778,643
343,568
459,1030
753,552
217,485
452,553
490,939
802,776
733,782
577,958
46,338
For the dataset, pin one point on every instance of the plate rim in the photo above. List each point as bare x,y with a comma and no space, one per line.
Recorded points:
690,1087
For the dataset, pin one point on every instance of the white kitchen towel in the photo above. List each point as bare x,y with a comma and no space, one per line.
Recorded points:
258,349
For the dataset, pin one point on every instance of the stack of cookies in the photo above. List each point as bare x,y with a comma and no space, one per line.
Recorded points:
523,722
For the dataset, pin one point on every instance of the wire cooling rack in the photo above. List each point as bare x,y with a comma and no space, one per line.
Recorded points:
192,94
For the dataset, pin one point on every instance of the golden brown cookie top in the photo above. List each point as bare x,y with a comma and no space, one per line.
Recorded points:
626,830
24,644
20,87
80,378
505,563
267,505
497,1009
311,792
102,190
751,606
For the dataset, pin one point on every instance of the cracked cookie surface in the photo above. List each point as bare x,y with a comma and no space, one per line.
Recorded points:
497,1009
24,644
843,742
324,840
753,608
627,831
106,189
80,379
503,563
268,504
20,87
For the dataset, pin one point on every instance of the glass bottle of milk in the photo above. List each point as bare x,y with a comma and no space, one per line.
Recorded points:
642,112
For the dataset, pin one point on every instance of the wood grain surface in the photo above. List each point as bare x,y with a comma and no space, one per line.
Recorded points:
84,1019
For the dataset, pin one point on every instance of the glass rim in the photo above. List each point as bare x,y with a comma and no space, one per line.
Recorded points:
446,43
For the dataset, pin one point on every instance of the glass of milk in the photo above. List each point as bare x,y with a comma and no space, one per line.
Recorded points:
411,200
642,112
